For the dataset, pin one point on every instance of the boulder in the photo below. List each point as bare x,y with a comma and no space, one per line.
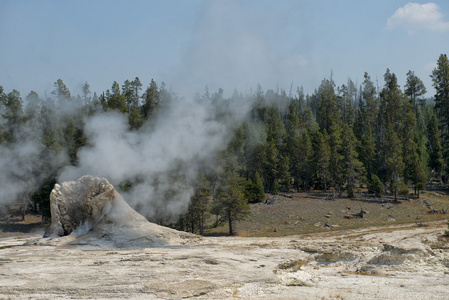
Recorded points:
93,213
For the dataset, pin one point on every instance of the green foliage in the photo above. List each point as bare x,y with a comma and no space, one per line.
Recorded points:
415,90
255,190
230,198
335,138
13,117
150,100
135,119
434,147
61,91
197,214
352,170
440,78
320,161
402,188
116,100
375,185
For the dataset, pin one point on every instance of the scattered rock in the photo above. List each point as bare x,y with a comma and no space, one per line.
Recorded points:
271,200
327,226
396,255
335,256
388,205
286,196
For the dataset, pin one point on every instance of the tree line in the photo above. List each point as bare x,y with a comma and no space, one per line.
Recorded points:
339,138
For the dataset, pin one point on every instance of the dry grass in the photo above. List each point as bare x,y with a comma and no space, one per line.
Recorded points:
303,213
11,221
309,212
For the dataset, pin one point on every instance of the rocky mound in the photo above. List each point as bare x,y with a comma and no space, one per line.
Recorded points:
92,212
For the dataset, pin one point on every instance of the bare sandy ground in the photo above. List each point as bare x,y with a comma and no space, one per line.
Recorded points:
395,262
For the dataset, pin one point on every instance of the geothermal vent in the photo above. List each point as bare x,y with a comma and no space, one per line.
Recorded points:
93,212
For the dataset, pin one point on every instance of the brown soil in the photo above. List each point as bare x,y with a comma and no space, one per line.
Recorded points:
309,212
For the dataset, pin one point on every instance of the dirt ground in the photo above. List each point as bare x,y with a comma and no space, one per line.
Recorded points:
391,262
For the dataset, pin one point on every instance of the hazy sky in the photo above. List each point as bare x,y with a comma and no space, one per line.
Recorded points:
229,44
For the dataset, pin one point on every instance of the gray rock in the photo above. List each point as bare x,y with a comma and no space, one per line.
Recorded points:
94,211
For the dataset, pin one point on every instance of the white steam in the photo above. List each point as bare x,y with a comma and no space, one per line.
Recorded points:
25,165
161,161
16,164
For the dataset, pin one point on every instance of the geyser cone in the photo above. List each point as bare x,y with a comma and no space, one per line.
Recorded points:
92,211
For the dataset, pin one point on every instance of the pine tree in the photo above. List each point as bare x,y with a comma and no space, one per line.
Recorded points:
137,87
86,93
411,158
197,212
394,165
115,99
327,112
150,100
415,90
292,142
369,95
13,117
320,160
391,159
276,163
61,91
255,189
306,158
367,151
230,198
128,92
271,167
440,78
135,119
33,104
352,171
434,147
345,105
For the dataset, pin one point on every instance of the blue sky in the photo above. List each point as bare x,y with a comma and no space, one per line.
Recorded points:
189,44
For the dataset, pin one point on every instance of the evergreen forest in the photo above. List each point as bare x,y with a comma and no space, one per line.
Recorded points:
381,138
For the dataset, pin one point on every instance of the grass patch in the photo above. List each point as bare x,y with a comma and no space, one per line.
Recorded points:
309,213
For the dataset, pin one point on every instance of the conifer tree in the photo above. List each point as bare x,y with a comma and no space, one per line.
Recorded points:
415,90
352,171
292,140
347,110
61,92
115,99
150,100
305,163
410,148
367,151
230,201
391,159
86,93
369,95
434,147
196,215
255,189
440,78
320,160
13,117
327,112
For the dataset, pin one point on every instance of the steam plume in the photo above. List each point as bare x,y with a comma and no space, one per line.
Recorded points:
161,160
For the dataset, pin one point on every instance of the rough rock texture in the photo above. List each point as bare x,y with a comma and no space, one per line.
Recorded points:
93,213
400,261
